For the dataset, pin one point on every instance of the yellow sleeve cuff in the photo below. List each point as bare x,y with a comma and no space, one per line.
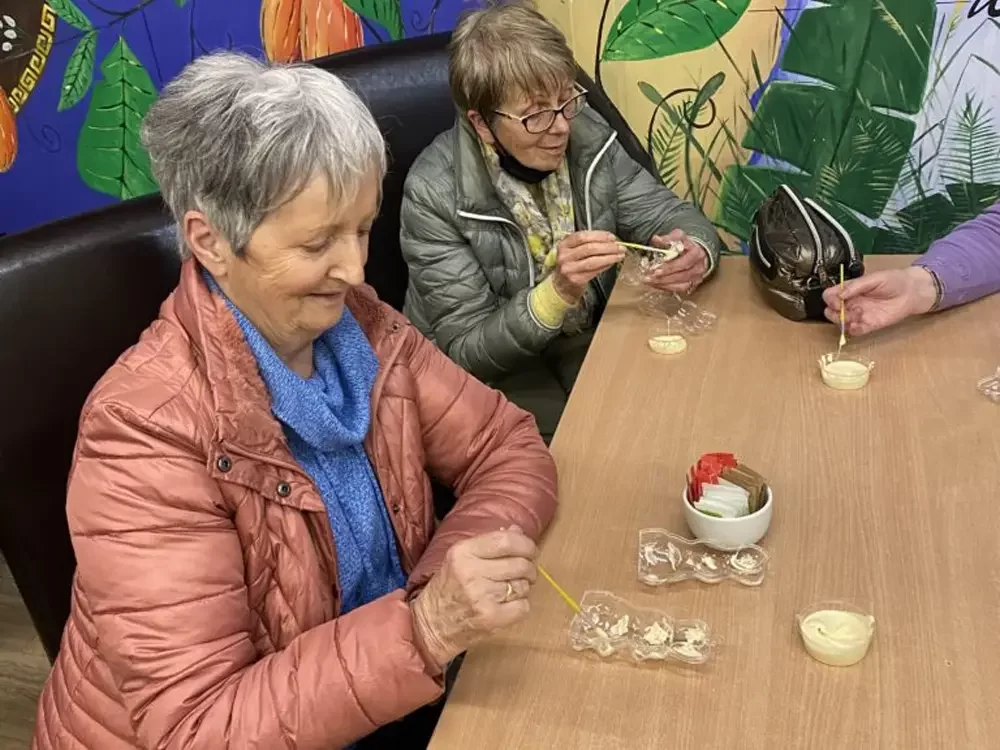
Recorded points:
548,306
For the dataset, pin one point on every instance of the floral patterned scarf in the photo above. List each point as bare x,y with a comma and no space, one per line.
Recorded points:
545,216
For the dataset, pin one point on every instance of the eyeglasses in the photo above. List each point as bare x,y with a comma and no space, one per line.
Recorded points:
540,121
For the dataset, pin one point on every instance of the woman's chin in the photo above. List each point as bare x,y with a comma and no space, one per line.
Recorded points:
328,309
548,160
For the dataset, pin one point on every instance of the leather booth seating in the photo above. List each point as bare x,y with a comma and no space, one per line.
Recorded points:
76,293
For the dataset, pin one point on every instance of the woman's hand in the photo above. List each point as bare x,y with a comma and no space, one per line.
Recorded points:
881,299
580,258
480,588
684,273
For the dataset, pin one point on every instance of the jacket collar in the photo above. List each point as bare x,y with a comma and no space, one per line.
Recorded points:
241,404
474,188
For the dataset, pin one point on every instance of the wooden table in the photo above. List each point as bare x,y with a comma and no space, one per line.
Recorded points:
888,497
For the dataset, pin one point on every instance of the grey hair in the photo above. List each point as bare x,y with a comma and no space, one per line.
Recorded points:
237,138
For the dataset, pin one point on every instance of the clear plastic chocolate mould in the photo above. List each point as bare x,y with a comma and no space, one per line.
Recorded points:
683,315
990,387
612,627
642,260
665,557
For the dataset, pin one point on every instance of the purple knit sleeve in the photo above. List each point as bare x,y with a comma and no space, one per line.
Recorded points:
967,260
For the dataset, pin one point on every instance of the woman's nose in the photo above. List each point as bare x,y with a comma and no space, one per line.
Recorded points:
560,125
350,266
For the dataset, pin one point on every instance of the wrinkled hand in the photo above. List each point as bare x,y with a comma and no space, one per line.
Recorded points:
684,273
881,299
468,599
581,257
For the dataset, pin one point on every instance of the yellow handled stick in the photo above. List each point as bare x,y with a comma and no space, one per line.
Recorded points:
670,253
568,599
843,337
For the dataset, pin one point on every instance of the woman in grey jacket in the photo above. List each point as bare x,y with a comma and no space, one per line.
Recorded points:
510,220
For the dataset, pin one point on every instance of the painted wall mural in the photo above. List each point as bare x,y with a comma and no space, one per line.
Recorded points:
77,77
884,110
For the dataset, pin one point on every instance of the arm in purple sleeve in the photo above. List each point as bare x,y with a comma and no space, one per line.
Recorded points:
967,261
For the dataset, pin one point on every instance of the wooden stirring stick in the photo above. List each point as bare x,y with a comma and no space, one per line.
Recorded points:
843,337
649,248
566,597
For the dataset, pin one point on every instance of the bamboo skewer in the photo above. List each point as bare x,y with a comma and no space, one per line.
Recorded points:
566,597
843,337
647,248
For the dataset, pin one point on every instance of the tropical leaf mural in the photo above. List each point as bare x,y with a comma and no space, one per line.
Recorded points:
971,170
666,146
386,13
837,121
672,140
110,156
92,69
650,29
79,71
71,14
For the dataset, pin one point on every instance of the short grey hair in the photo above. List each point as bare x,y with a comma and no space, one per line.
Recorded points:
505,49
237,138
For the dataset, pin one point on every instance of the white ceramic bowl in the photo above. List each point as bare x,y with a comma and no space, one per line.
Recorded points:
729,533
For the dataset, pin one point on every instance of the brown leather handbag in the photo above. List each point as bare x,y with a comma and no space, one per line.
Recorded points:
796,250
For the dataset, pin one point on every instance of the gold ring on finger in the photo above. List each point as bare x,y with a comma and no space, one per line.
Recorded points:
509,593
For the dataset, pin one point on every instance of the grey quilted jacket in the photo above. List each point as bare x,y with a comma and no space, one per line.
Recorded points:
470,267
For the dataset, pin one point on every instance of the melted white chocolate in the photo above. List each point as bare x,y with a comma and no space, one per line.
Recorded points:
620,628
844,374
657,635
836,637
670,343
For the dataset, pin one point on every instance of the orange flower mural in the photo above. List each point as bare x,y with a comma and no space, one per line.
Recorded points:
294,30
8,133
328,26
279,30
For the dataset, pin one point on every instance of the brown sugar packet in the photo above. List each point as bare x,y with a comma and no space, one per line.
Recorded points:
752,482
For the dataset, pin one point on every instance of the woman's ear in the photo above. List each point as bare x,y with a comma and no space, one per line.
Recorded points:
207,245
480,126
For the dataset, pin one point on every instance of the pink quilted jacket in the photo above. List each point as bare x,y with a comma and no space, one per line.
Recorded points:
205,603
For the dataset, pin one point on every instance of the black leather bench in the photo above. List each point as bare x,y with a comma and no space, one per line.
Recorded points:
76,293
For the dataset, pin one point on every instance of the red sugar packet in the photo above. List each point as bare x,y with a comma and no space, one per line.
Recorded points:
707,470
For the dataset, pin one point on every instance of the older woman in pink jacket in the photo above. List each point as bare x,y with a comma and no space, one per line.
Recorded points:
250,500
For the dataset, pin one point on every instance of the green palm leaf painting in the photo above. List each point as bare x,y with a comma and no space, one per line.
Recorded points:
109,156
974,155
842,128
672,138
666,144
650,29
79,71
386,13
71,14
971,171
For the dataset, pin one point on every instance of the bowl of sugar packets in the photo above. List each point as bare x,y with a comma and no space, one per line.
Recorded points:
727,504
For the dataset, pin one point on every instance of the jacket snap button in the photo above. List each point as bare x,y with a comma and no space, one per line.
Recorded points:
224,464
395,507
284,489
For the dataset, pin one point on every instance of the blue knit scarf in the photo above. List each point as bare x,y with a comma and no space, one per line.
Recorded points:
326,419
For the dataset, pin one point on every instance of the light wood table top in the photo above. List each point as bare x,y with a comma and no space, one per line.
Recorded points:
886,497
